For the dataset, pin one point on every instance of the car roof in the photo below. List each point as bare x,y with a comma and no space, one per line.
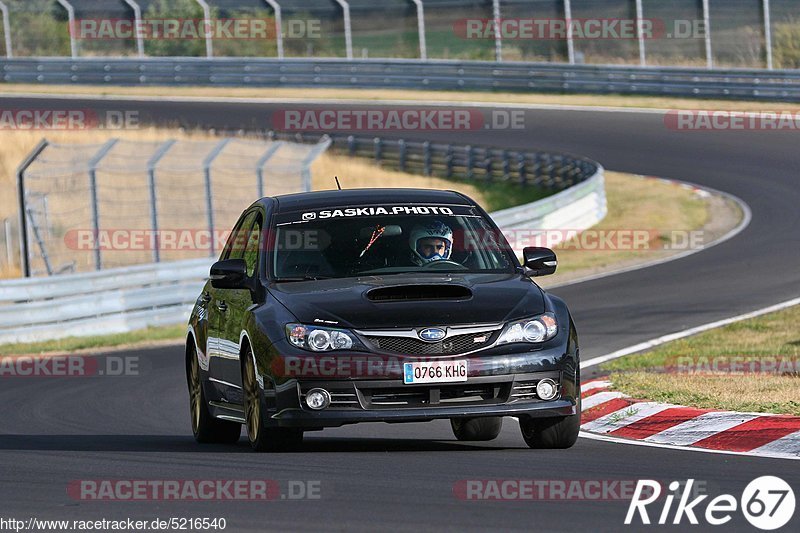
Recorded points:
348,197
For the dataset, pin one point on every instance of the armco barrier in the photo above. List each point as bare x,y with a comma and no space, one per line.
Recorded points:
754,84
125,299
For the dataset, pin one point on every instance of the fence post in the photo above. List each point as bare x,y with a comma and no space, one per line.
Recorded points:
423,47
323,144
426,157
209,43
207,162
6,29
348,30
767,32
25,261
276,8
73,45
570,40
640,32
260,166
151,176
351,145
498,39
93,162
137,20
707,27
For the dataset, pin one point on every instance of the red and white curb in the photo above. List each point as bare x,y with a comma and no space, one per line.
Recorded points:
614,414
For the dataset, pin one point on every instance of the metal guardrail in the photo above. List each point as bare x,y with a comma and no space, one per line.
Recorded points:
755,84
125,299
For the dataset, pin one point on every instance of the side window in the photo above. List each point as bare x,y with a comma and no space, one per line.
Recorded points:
234,248
252,248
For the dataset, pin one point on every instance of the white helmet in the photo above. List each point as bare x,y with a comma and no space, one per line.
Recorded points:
435,229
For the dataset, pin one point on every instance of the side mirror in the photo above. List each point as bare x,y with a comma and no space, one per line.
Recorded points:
229,274
541,261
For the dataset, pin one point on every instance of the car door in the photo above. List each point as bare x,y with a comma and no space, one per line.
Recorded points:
233,305
219,352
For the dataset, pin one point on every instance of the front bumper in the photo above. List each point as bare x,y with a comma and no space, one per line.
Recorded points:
392,401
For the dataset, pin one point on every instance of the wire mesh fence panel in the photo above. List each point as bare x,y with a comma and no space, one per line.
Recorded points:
679,34
447,24
384,29
785,25
519,45
39,28
604,31
313,28
122,203
737,31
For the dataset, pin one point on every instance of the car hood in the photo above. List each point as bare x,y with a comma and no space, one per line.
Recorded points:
463,299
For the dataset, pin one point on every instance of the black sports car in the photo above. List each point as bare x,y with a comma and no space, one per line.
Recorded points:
392,305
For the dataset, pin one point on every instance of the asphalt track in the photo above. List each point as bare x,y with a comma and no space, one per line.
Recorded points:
401,477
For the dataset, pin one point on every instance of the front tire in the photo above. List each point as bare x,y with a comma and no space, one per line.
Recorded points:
206,428
551,433
262,438
477,429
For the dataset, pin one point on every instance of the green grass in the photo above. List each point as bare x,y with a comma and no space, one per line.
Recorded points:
697,372
71,344
501,195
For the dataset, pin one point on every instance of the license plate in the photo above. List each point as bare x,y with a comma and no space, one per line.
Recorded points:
434,372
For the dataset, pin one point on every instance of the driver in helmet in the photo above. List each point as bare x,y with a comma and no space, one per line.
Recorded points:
432,241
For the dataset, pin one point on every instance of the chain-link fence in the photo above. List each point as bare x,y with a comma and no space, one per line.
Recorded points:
722,33
89,207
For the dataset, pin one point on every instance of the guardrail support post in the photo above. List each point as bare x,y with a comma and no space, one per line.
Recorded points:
348,30
523,178
470,161
207,162
73,45
351,145
640,32
25,261
570,40
423,46
9,244
137,25
93,162
260,166
209,42
151,176
448,161
767,32
401,155
276,8
378,150
498,39
707,29
6,29
426,157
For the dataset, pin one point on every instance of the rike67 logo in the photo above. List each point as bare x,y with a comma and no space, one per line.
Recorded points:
767,502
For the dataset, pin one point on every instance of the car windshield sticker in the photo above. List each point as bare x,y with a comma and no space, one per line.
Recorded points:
295,217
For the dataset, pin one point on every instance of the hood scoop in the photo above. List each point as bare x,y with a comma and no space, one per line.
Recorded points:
404,293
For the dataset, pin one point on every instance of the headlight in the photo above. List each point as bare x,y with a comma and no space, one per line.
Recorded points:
539,329
319,339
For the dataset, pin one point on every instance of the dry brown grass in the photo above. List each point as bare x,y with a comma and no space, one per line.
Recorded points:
415,96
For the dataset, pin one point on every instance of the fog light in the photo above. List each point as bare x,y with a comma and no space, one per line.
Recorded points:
318,399
546,389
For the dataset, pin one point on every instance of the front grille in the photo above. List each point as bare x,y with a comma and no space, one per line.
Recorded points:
431,396
452,345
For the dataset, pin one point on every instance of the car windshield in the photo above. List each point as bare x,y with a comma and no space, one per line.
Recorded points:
378,240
